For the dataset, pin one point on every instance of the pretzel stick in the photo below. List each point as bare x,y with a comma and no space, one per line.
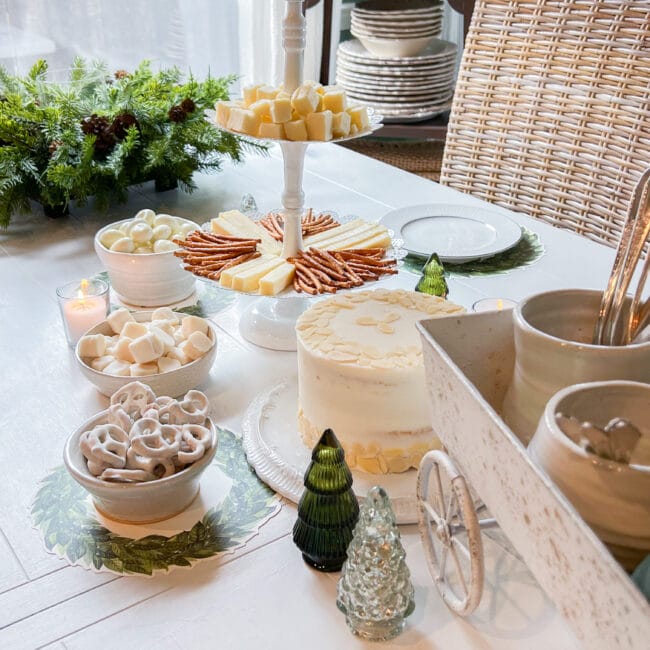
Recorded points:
235,262
308,272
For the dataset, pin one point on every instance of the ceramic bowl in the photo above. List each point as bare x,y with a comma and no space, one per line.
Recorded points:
390,47
136,503
145,280
613,498
553,332
174,383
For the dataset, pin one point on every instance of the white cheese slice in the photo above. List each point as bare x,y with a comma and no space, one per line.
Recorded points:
249,279
316,240
226,276
233,222
277,279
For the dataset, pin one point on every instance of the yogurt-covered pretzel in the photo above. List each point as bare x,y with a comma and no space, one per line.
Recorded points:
158,467
192,448
192,410
151,439
200,433
132,397
105,445
119,417
126,475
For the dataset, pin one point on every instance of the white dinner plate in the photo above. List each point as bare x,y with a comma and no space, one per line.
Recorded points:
457,233
371,83
433,53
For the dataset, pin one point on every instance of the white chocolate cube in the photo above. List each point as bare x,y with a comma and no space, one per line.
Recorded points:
280,109
122,351
319,126
118,318
305,100
92,345
146,348
334,101
134,330
192,324
341,124
167,364
243,120
296,130
271,131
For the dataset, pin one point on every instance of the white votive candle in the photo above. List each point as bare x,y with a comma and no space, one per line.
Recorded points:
83,305
493,304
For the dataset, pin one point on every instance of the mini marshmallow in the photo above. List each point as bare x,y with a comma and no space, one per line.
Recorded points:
178,335
146,215
163,231
92,345
163,246
196,345
118,367
167,364
164,219
194,324
110,236
164,325
166,339
164,313
134,330
99,364
146,348
178,354
141,232
123,245
143,369
185,229
118,319
122,351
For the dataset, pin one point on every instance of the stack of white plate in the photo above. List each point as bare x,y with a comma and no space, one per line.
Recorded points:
402,89
396,28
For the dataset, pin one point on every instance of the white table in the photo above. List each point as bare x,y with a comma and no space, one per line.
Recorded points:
262,596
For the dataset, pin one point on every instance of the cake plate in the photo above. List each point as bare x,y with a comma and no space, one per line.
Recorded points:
269,322
274,448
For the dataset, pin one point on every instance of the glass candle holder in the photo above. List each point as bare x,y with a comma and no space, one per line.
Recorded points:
493,304
83,304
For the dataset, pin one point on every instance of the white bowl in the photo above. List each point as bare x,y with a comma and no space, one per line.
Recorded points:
173,383
613,498
145,280
136,503
395,47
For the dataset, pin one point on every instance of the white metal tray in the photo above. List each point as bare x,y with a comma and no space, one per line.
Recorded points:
469,362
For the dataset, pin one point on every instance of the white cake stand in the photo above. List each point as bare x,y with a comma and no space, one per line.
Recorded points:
270,321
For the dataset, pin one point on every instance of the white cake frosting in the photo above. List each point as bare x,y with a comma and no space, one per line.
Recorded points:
361,373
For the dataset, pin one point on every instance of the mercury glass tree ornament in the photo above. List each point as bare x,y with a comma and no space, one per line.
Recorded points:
375,591
328,508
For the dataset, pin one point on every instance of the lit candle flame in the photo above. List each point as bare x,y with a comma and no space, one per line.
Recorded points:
81,293
499,304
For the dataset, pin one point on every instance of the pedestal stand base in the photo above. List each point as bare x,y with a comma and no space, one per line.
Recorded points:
271,323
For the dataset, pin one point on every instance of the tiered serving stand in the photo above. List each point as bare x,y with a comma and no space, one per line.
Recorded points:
269,321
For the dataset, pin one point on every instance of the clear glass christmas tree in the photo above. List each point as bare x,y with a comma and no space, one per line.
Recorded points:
375,591
328,508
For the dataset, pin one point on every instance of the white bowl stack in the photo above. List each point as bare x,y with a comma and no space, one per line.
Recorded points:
397,65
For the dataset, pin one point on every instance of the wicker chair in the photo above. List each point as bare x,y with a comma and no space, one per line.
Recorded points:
551,115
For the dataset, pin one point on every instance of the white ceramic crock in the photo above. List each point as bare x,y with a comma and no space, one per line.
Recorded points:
613,498
145,280
553,332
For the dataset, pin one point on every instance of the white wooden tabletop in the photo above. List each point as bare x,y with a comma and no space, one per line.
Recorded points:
262,595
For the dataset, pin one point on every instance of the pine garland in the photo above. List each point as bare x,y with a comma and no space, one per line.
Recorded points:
99,133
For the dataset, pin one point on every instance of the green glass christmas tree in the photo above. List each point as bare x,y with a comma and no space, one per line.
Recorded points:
375,591
328,509
433,278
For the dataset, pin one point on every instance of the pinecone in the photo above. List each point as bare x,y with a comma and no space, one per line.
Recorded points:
177,114
121,74
99,126
188,105
121,124
54,145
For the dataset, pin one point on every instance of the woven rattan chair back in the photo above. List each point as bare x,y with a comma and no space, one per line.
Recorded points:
551,115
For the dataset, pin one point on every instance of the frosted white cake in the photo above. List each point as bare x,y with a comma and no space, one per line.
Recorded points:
361,373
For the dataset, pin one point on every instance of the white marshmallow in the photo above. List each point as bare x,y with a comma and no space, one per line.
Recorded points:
177,354
163,231
163,246
100,363
123,245
143,369
166,339
164,313
118,318
167,364
122,351
194,324
164,219
146,215
196,345
141,232
92,345
118,367
146,348
110,236
164,325
134,330
179,337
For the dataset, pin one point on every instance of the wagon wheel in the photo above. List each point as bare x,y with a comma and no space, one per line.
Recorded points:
443,515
